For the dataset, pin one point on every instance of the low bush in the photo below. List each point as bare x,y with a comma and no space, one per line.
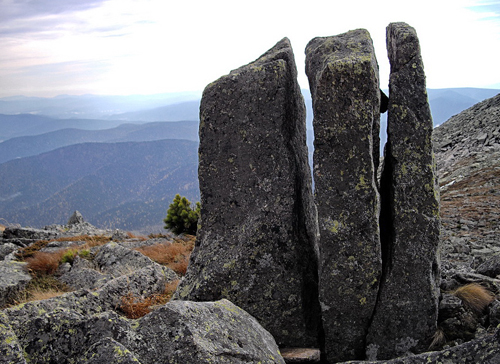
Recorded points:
42,263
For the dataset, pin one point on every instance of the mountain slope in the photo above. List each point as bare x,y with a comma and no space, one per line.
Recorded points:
33,145
467,149
102,180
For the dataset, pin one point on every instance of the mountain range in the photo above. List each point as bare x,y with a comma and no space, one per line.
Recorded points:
123,160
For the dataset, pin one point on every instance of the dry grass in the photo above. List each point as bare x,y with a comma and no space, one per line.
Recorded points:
133,236
44,263
137,307
474,296
438,340
174,255
2,227
40,288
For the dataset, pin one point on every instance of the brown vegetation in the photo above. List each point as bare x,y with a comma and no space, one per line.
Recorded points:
135,307
474,296
174,255
41,287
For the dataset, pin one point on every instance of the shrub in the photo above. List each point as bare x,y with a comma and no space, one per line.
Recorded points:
69,256
182,216
474,296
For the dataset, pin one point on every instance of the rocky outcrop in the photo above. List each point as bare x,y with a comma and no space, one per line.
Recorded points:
406,312
257,242
485,350
14,277
344,83
178,332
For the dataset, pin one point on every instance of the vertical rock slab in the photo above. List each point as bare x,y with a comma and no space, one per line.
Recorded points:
344,83
406,312
257,242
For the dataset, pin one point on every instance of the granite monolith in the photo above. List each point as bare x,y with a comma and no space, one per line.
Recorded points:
257,241
407,307
344,84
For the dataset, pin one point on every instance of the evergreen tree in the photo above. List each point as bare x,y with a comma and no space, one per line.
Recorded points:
182,216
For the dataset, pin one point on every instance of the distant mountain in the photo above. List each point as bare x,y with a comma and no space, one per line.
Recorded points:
91,106
119,185
182,111
12,126
32,145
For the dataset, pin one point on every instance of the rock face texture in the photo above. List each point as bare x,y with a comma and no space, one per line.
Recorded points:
257,242
14,278
406,313
178,332
344,83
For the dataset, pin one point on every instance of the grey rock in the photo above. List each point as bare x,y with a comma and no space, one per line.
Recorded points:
87,278
6,249
10,350
178,332
13,278
186,332
108,351
485,350
491,267
406,313
76,219
25,236
257,242
344,83
117,260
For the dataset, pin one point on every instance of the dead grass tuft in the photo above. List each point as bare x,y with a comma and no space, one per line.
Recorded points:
44,263
41,287
474,296
174,255
136,307
438,340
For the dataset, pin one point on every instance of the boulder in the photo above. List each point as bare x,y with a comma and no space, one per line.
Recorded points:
10,350
13,278
406,313
108,351
186,332
485,350
76,219
490,267
257,242
6,249
344,83
178,332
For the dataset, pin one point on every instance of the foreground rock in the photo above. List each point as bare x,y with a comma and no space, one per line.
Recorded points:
485,351
406,313
179,332
343,78
14,277
257,241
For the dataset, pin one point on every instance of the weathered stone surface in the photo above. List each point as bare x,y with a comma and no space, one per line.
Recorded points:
491,267
179,332
116,260
6,249
485,350
108,351
76,218
257,241
344,83
13,278
406,313
10,350
192,335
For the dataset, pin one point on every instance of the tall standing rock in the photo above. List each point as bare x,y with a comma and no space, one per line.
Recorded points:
406,312
257,242
344,83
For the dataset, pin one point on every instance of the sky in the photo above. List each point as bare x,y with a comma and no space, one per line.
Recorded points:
125,47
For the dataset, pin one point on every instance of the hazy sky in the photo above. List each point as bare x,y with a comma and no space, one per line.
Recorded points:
52,47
